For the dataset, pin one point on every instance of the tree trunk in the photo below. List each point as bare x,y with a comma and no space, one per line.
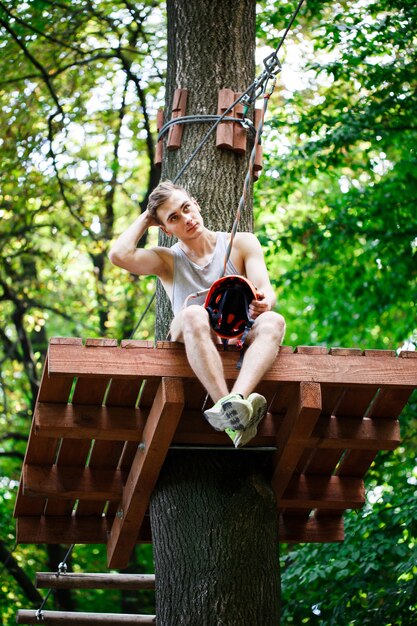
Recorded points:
213,514
215,535
211,46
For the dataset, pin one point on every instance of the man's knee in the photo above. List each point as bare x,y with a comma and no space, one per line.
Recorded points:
195,320
271,324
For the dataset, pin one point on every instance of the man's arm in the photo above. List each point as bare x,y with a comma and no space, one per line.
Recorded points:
141,261
255,270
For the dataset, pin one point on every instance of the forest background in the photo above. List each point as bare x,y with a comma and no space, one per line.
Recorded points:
80,85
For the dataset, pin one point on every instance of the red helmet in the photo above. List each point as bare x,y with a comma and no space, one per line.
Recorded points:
227,304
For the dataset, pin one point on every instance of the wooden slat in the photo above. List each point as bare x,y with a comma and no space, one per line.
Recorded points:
72,483
157,436
94,530
74,452
195,430
296,529
67,529
42,450
118,363
330,492
53,618
299,421
69,580
106,454
89,422
352,433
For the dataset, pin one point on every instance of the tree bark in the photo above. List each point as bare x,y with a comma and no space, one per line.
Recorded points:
213,514
211,46
215,535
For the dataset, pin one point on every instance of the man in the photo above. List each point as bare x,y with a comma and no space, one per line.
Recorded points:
193,264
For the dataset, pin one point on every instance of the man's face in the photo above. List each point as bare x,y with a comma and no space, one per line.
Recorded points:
180,216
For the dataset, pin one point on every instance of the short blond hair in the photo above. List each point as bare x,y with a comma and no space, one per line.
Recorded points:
161,194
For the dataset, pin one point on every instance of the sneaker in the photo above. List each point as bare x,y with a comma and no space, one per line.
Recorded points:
232,411
259,408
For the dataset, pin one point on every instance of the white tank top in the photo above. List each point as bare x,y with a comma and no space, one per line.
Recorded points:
190,277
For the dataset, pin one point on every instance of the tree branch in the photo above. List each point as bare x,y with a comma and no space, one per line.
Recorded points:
20,576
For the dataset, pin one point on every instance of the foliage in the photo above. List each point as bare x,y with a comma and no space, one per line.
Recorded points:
80,85
342,233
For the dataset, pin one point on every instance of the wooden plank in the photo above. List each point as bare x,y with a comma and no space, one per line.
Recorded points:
89,422
120,363
72,483
330,492
299,422
71,529
69,580
121,395
43,450
157,436
25,616
389,403
74,452
194,429
297,529
353,403
311,350
353,433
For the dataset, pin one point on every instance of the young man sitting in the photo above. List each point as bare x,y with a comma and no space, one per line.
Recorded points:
191,265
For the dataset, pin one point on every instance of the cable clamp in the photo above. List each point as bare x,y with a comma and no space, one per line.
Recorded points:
39,615
272,64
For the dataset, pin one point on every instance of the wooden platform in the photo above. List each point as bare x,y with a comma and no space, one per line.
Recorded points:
106,416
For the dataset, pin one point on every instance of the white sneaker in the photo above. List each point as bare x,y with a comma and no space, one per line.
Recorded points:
259,408
232,411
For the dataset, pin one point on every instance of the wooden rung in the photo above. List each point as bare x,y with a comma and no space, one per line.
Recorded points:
239,133
88,529
353,433
69,580
89,422
298,529
81,619
179,106
327,492
224,132
73,483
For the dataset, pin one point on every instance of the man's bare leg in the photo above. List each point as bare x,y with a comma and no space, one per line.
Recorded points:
267,334
192,327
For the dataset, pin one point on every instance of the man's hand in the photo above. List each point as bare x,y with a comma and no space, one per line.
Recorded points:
149,220
260,305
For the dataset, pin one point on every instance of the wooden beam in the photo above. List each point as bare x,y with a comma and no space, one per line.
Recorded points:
89,422
71,529
157,436
53,618
299,421
353,433
69,580
328,492
94,530
73,483
297,529
72,360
